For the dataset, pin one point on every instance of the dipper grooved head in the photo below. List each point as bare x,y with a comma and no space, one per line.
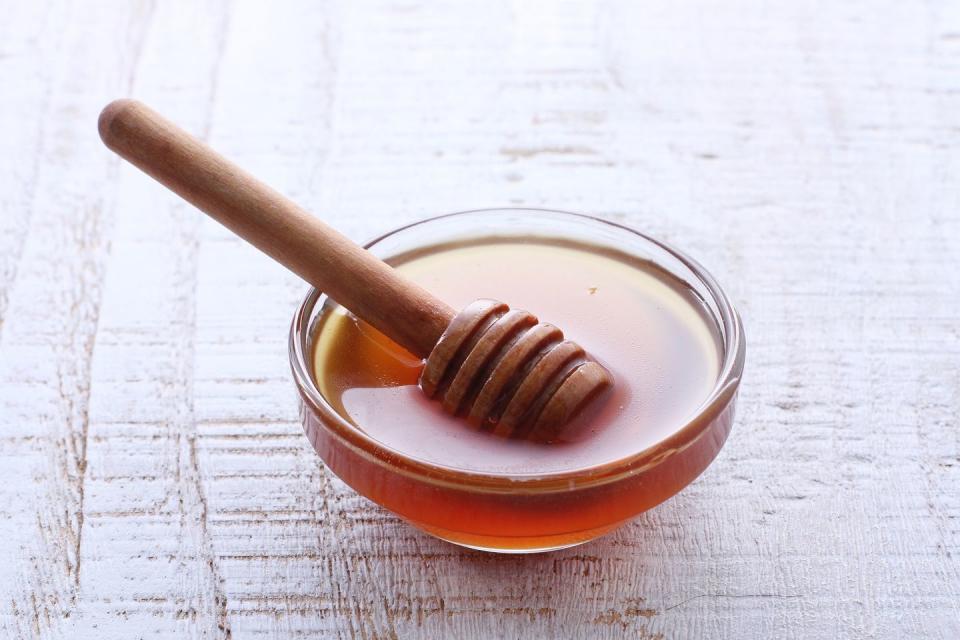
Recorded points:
508,373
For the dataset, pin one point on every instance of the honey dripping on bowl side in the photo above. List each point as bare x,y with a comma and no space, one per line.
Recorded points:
647,326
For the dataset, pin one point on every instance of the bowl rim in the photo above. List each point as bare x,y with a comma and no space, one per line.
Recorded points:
721,396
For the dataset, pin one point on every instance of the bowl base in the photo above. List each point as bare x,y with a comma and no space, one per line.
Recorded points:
515,544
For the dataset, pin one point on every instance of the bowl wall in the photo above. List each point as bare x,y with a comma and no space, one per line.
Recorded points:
529,512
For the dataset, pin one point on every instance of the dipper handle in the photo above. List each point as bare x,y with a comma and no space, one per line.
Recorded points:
503,370
351,275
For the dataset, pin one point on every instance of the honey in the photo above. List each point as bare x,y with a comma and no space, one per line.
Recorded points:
643,324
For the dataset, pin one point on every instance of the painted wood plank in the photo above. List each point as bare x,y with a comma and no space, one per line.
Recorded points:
153,478
52,297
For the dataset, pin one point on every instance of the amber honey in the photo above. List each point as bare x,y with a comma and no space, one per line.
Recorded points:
660,427
649,330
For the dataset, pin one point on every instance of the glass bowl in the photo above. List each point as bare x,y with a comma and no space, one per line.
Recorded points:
518,513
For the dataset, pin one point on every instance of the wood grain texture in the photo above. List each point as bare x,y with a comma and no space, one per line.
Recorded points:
154,481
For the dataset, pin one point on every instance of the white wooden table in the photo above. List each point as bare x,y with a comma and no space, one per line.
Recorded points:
154,480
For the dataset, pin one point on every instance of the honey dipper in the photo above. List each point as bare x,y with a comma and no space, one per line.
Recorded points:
501,369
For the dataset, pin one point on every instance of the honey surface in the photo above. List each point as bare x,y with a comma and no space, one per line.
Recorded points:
646,326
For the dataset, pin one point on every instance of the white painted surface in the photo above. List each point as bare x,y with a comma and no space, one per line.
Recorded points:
154,481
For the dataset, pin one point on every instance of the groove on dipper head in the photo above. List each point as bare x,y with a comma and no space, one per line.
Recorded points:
508,373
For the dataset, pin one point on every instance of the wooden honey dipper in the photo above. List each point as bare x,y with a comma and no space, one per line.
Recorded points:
502,369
